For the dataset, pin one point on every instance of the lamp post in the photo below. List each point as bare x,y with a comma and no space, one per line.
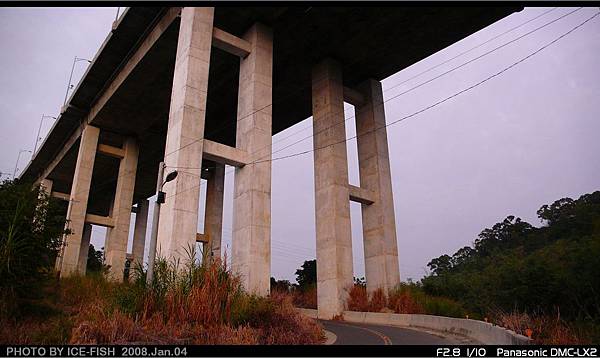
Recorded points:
160,199
37,139
75,60
17,163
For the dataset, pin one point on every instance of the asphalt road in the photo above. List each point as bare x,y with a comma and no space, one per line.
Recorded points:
363,334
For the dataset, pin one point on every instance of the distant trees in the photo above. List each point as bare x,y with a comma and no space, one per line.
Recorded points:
95,261
515,265
306,275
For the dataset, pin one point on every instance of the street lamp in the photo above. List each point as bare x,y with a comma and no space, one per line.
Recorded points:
160,199
37,139
69,86
17,163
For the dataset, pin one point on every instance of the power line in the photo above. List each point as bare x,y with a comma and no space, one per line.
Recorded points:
103,185
471,49
420,111
452,96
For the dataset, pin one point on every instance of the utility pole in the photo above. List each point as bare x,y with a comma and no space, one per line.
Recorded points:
75,60
37,138
17,163
160,199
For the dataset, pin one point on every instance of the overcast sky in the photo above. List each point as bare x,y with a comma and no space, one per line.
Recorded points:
521,140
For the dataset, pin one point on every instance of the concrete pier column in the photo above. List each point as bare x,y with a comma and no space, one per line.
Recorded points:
185,133
379,225
139,232
116,244
68,261
334,240
84,248
251,244
213,218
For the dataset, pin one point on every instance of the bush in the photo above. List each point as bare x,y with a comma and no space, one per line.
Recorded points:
31,228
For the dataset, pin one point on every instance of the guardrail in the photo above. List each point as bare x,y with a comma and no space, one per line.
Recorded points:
483,332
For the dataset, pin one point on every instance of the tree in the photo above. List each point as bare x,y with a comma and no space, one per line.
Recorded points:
95,259
307,274
440,265
31,228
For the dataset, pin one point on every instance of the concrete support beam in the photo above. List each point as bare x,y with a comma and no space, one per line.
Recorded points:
116,244
61,196
379,225
203,238
105,221
132,62
353,97
213,217
334,240
361,195
64,149
231,43
84,248
224,154
68,262
111,151
179,213
251,256
139,232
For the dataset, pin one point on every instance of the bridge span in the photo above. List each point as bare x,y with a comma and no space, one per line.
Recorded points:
199,88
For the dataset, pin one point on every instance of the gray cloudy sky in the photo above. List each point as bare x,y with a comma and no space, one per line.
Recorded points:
521,140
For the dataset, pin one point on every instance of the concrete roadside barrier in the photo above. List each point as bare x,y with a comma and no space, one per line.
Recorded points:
479,331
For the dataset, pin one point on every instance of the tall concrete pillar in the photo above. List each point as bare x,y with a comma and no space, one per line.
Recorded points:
213,218
379,225
116,244
334,240
251,246
68,262
84,248
179,214
139,232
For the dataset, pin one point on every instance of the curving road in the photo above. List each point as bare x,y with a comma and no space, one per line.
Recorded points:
362,334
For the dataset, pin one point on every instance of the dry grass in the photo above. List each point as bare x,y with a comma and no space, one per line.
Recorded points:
305,298
544,329
189,305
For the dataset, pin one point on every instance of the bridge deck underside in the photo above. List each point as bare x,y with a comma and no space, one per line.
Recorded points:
369,43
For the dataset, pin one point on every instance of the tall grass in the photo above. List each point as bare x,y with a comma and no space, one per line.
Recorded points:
192,304
406,298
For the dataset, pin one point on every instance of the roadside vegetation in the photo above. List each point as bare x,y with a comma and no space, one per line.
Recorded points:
187,302
539,281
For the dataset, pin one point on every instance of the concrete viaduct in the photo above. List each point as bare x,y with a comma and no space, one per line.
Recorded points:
200,88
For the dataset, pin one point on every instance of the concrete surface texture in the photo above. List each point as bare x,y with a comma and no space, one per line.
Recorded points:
183,150
251,244
378,219
68,260
139,231
332,212
213,215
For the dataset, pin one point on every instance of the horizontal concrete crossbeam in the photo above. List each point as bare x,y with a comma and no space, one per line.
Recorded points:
105,221
61,196
201,238
225,154
360,195
111,151
353,97
231,43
